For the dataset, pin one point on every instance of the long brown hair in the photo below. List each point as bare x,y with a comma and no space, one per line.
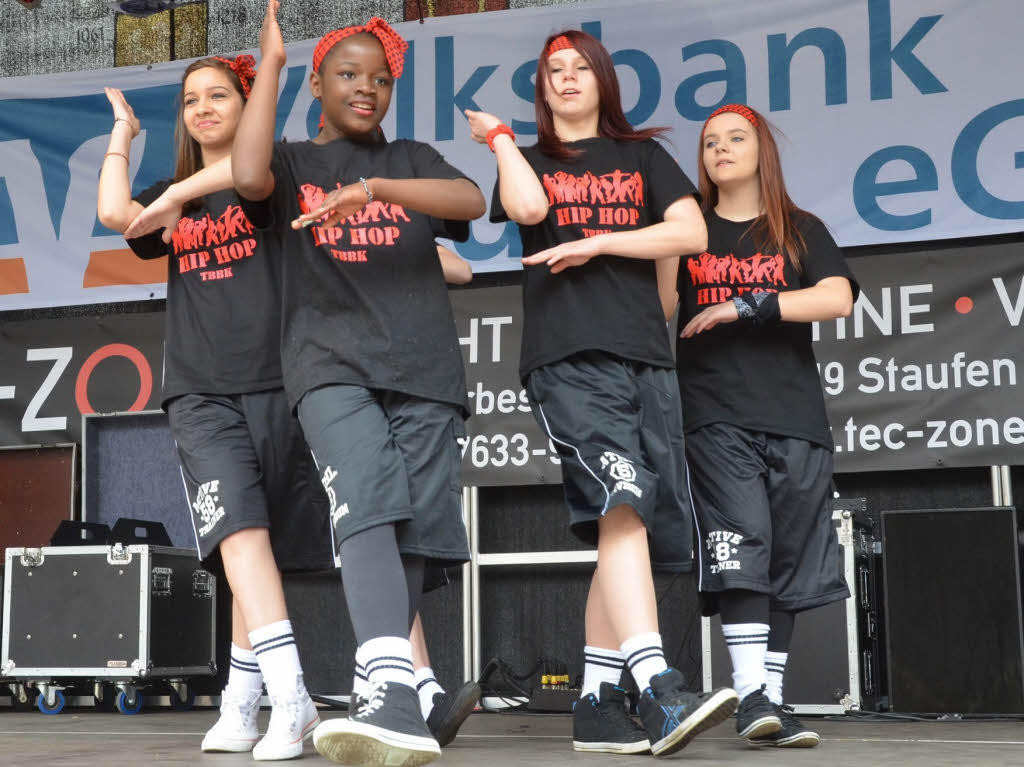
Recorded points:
777,226
612,123
188,156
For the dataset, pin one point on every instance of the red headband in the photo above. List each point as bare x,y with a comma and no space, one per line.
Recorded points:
244,67
743,111
560,43
394,44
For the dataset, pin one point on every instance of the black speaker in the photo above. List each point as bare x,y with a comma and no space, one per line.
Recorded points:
953,611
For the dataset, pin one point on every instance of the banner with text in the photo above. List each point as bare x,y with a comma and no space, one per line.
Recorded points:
926,371
848,82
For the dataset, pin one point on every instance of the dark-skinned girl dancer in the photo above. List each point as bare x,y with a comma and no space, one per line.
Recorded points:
371,355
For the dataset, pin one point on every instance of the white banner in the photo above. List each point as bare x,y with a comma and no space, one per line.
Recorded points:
900,121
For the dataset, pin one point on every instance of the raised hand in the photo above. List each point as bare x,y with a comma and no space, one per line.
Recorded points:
271,41
336,206
479,125
122,110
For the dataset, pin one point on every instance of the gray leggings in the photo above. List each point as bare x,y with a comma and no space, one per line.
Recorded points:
382,587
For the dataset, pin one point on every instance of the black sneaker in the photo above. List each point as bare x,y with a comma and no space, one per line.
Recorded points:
600,723
756,716
793,733
386,731
673,717
450,710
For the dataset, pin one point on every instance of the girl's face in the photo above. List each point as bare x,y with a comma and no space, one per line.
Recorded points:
571,90
730,149
354,85
211,107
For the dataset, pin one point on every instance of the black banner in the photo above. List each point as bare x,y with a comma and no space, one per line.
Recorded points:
53,371
926,372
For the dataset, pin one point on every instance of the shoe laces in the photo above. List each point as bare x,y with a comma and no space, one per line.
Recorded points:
237,707
786,714
373,701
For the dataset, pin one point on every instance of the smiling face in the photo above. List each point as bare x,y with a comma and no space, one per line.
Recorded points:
211,107
354,85
730,149
571,90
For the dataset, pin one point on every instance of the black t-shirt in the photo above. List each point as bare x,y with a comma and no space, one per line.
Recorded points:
364,302
759,378
610,303
223,322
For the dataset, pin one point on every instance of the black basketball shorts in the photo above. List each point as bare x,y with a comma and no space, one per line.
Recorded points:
618,429
245,464
764,517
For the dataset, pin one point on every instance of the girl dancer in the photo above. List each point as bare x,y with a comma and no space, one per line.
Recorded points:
758,442
598,195
376,374
243,460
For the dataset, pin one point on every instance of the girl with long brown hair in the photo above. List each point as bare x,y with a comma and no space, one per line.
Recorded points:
244,464
758,440
603,210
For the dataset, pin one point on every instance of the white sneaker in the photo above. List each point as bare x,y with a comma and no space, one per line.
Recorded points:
236,730
292,719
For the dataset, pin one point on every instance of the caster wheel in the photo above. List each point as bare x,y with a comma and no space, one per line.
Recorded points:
177,704
126,706
56,708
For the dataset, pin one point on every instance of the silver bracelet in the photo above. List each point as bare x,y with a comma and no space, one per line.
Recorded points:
366,188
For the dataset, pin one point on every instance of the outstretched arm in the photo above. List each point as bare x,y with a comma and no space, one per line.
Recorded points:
114,204
455,199
682,231
253,147
165,211
522,195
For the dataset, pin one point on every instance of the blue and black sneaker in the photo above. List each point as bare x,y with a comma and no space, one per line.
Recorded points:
673,716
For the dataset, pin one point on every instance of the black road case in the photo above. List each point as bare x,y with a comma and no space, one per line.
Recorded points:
126,615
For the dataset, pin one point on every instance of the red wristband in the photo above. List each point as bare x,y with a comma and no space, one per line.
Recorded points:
496,131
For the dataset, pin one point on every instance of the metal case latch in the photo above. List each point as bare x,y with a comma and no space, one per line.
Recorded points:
32,557
202,584
161,581
118,554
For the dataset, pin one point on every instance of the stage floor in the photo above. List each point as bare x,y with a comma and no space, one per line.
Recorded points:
81,737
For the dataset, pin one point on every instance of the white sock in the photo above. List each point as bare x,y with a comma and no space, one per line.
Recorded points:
747,644
775,666
644,657
600,665
387,659
427,687
244,676
278,657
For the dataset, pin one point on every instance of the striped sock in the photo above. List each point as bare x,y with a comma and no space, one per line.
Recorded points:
600,665
244,675
775,665
388,659
644,657
427,687
360,684
747,643
278,657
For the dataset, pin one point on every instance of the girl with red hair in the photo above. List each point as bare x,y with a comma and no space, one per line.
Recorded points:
603,211
758,438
